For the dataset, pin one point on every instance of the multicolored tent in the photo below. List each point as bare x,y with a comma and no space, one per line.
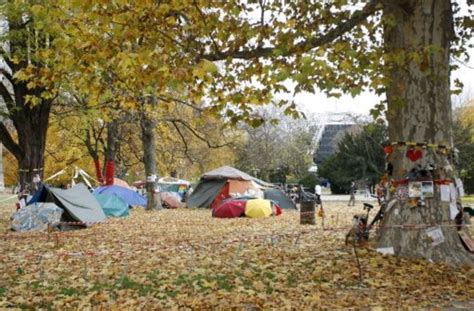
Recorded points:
220,184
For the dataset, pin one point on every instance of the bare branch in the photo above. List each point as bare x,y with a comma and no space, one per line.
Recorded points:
197,135
180,101
6,74
7,97
183,139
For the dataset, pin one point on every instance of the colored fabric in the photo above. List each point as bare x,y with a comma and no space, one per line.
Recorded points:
129,196
230,209
112,205
98,171
109,172
258,208
221,196
36,217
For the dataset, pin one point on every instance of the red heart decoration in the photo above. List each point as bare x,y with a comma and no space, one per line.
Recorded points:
388,149
414,154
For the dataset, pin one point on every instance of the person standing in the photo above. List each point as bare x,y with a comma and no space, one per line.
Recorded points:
317,192
352,194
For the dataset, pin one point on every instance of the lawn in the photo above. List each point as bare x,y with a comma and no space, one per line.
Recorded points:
186,259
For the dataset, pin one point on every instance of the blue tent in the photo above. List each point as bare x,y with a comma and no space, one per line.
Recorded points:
129,196
112,205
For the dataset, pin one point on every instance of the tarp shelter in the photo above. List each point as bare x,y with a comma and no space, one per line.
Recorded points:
36,217
280,198
77,202
258,208
112,205
220,184
129,196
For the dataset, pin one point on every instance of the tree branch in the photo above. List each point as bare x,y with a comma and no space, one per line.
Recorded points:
7,97
7,140
6,74
196,134
183,139
309,44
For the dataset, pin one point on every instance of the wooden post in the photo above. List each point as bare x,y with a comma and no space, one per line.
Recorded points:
307,213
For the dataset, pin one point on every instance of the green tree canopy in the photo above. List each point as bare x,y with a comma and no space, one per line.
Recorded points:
359,157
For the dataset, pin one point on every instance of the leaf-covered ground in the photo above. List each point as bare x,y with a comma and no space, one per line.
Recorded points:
185,259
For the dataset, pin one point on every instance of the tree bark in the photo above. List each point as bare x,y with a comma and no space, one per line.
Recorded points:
148,125
419,110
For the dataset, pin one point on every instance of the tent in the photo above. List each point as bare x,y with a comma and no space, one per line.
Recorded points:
258,208
279,197
129,196
77,202
112,205
121,183
230,209
170,199
220,184
36,217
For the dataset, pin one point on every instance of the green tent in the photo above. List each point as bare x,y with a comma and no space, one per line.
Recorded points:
112,205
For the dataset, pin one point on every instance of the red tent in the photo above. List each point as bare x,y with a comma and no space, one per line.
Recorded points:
230,209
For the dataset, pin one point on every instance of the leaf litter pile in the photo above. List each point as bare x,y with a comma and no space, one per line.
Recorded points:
185,259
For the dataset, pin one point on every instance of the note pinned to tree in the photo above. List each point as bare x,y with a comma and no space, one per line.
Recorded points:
445,195
436,235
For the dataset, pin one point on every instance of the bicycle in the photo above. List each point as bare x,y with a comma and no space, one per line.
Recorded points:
360,229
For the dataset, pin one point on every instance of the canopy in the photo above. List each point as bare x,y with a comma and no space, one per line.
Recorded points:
230,209
112,205
129,196
226,172
36,217
258,208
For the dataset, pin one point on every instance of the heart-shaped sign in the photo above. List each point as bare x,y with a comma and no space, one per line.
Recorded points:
414,154
388,149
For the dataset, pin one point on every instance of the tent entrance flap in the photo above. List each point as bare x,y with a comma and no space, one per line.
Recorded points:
206,192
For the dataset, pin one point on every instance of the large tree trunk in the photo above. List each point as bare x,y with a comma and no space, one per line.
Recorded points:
419,110
148,125
31,124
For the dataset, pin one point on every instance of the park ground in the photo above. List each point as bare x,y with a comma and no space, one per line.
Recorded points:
185,259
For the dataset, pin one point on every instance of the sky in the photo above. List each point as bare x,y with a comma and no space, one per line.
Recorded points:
320,103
